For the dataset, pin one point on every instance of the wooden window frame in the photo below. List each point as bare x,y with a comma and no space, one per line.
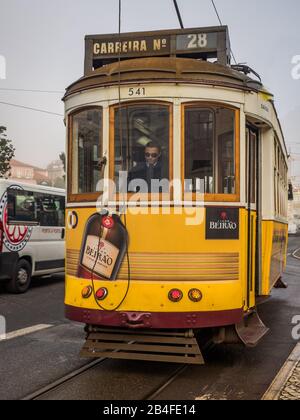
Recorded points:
147,197
213,197
80,197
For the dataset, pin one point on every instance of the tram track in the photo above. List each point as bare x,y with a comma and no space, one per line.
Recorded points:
46,390
68,379
65,380
157,391
207,347
54,387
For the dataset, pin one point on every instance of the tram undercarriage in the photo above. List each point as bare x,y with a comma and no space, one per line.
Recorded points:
172,346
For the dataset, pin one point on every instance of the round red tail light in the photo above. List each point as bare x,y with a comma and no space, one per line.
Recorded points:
101,293
175,295
108,222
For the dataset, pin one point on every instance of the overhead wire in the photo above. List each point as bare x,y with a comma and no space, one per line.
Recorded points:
217,13
178,14
221,24
58,92
31,109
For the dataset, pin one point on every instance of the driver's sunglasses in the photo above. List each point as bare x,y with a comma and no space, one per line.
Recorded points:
153,155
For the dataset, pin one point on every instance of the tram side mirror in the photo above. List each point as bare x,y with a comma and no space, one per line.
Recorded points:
21,208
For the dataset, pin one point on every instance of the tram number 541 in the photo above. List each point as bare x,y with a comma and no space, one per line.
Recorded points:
136,92
197,41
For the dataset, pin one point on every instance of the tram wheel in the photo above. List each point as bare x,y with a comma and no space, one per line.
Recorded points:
21,279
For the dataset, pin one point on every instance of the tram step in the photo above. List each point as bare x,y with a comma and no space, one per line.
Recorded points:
251,330
158,346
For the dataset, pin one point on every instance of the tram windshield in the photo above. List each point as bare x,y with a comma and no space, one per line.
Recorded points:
141,144
210,150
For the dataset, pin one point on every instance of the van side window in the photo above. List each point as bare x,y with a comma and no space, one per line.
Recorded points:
26,207
50,210
60,208
21,206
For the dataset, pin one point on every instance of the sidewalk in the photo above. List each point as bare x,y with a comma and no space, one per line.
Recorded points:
286,385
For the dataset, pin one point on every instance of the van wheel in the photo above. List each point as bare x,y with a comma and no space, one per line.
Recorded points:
22,278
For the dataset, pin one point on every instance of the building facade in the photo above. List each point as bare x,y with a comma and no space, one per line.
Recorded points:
23,172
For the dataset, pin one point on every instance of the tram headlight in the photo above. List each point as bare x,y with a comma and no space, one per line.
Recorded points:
175,295
86,292
195,295
101,293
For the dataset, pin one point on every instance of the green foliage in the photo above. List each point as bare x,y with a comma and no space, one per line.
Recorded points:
7,152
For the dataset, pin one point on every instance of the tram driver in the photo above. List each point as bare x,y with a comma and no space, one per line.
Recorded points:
150,169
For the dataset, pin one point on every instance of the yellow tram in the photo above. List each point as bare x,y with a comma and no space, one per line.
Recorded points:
177,195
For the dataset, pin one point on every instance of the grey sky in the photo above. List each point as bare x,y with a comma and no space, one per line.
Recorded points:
43,43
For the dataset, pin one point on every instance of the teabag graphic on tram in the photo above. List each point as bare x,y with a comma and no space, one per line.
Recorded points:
163,106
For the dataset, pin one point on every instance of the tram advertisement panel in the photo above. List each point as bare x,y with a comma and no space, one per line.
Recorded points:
103,247
222,223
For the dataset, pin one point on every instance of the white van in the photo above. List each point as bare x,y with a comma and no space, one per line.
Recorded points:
32,232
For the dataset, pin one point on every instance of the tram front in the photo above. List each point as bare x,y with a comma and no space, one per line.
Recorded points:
158,213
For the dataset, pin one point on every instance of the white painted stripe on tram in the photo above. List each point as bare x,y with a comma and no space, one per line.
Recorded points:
280,382
24,331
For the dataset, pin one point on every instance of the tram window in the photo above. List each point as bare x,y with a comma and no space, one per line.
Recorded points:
141,145
86,151
210,150
280,180
225,134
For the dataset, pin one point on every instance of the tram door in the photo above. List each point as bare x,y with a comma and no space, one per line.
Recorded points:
252,189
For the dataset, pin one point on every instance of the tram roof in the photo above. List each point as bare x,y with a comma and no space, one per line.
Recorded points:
165,69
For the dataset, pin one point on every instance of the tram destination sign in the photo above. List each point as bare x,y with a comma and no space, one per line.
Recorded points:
131,46
199,43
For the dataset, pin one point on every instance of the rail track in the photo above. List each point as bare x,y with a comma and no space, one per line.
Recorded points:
71,377
64,381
